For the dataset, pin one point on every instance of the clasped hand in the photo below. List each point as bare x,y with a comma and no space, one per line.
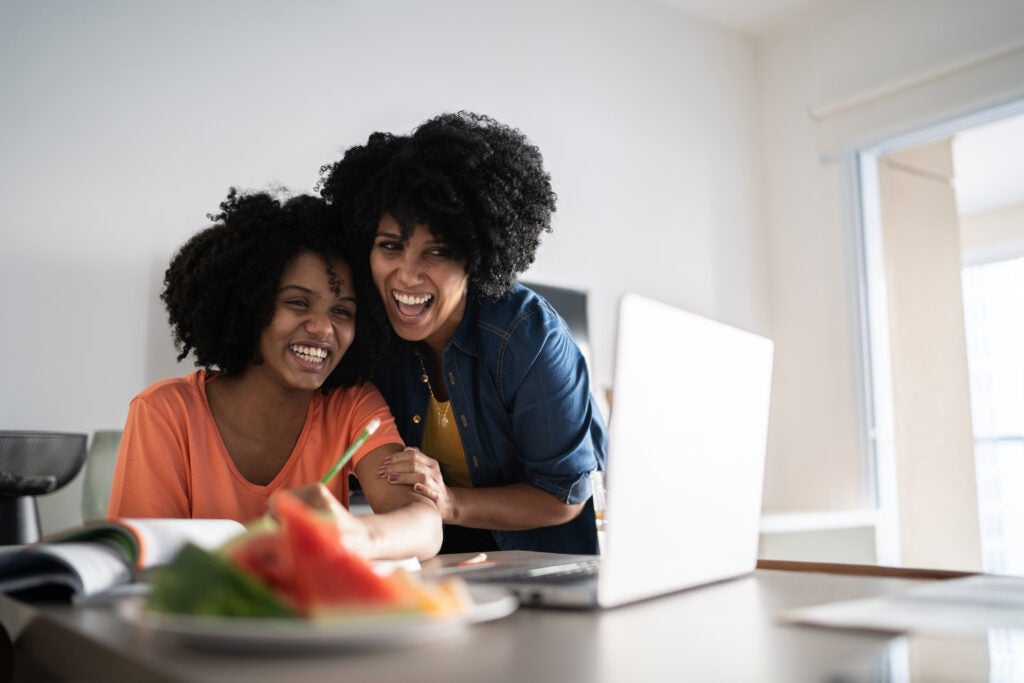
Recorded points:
412,467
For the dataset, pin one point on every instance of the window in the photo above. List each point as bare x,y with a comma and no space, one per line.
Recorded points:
943,276
993,295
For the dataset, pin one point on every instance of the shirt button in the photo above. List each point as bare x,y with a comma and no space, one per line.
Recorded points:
451,378
465,422
416,419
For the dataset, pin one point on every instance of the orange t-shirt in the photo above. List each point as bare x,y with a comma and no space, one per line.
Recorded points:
173,463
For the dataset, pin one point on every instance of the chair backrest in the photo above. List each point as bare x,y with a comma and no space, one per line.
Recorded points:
99,473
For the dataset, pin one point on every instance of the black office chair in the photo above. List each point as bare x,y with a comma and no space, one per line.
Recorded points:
33,464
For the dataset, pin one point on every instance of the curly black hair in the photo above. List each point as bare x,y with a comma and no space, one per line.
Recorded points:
479,185
221,286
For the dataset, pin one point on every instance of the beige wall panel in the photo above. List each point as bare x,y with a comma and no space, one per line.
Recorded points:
934,445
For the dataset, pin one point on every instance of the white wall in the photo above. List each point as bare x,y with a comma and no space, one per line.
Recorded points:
123,124
868,70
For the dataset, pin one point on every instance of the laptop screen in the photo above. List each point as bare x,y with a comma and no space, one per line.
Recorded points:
687,436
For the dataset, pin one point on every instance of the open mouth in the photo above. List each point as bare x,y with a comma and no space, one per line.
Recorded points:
411,304
313,355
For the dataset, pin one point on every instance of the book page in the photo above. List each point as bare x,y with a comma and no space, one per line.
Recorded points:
160,539
149,542
65,568
97,557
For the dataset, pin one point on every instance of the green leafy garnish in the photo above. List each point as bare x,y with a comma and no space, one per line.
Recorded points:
199,582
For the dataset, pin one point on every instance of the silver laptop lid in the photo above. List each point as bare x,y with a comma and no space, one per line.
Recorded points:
687,436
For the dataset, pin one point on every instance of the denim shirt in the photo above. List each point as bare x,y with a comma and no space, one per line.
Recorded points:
520,392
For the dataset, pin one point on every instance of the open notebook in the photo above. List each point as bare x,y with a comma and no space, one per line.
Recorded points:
686,450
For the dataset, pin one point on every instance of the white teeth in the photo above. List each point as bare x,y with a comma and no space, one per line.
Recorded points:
410,300
310,353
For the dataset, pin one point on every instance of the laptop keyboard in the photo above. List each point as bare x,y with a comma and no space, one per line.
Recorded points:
561,573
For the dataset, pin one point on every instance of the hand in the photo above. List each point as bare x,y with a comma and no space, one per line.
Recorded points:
411,467
354,533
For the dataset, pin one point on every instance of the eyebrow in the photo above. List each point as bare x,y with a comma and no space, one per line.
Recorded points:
307,290
392,234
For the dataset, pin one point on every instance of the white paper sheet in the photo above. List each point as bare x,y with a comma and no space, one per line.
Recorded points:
972,605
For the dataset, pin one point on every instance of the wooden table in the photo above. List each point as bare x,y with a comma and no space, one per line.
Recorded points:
723,632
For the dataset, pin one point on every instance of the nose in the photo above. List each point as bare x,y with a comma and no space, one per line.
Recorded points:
318,324
409,269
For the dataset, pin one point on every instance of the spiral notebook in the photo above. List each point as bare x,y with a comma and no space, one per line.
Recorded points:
687,436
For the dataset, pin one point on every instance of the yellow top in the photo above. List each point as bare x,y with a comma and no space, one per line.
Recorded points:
442,443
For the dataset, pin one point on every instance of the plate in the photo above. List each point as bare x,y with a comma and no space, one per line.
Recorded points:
354,631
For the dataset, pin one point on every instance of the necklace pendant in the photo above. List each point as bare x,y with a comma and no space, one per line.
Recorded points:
444,420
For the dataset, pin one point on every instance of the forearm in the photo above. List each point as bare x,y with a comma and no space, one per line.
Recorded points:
513,507
411,530
403,524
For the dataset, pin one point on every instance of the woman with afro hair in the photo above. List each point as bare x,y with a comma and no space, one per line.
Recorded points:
485,381
266,300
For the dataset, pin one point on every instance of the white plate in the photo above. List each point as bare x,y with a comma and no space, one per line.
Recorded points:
344,632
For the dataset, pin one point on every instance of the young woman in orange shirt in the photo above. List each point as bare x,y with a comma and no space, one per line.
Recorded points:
266,301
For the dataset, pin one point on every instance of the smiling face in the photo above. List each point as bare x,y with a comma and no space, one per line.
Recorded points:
422,286
312,327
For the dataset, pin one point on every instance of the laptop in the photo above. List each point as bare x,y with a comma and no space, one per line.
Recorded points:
687,436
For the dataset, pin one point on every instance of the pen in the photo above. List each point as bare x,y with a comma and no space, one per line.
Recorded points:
479,558
371,427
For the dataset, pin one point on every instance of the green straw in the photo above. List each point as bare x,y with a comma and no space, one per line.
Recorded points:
370,429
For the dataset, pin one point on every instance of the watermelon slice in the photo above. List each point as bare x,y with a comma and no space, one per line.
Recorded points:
324,574
265,555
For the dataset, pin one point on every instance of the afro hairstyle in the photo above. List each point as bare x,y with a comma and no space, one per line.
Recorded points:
477,184
221,286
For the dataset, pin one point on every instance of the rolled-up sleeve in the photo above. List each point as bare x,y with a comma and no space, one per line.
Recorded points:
544,379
